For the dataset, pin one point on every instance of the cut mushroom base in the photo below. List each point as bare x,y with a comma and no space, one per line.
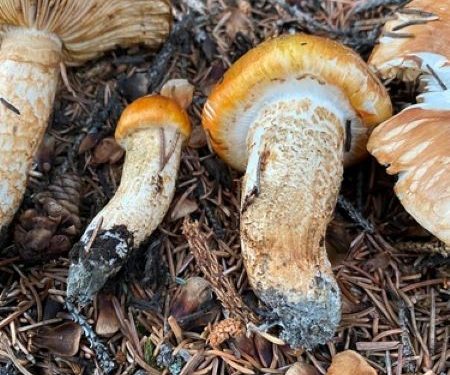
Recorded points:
146,190
291,113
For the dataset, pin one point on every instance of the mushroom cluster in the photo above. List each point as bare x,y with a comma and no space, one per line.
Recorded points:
152,131
36,38
415,143
291,113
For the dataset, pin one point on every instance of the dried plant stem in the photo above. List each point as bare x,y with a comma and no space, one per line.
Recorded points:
106,363
209,265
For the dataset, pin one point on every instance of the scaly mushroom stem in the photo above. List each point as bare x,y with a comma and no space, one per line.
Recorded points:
141,201
295,168
32,57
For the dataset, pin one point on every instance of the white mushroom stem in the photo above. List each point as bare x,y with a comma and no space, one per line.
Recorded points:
29,71
138,207
295,167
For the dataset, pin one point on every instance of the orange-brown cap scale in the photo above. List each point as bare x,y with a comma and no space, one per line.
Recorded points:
284,58
151,111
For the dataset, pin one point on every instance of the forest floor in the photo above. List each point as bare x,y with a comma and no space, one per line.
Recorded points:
396,294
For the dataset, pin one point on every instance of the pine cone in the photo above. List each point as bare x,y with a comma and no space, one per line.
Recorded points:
49,228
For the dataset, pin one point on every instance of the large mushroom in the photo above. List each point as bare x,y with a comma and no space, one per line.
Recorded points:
36,37
152,131
415,143
291,113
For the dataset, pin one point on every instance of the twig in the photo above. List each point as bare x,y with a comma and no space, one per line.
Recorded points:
355,215
161,61
9,106
368,5
209,265
106,363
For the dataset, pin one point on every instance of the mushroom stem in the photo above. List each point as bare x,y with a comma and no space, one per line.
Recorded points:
141,201
29,70
294,171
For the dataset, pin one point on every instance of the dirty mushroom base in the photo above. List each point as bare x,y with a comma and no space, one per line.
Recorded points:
305,323
94,261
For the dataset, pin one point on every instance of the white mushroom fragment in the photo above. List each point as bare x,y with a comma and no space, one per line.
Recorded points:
152,131
291,113
36,37
415,144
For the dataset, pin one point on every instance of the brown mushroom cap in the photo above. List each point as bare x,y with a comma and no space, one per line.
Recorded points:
285,58
88,28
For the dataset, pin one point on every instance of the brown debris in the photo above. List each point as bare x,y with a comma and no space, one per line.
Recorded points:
63,340
107,323
50,228
225,330
191,296
107,151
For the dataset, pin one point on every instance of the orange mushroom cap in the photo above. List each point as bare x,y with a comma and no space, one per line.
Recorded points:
151,111
292,57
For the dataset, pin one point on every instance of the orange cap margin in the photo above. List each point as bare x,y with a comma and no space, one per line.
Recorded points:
285,57
148,111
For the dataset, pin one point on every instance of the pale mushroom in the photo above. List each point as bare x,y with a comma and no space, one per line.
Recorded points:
415,143
291,113
152,131
350,362
36,38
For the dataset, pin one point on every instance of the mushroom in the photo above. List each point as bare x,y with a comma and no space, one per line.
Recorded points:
151,130
37,37
415,143
291,113
350,363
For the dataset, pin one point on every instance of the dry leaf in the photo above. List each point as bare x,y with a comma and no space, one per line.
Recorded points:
184,207
107,151
198,138
63,340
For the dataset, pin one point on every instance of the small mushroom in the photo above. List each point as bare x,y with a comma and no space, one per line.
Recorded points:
350,363
415,143
63,340
36,37
291,113
152,131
